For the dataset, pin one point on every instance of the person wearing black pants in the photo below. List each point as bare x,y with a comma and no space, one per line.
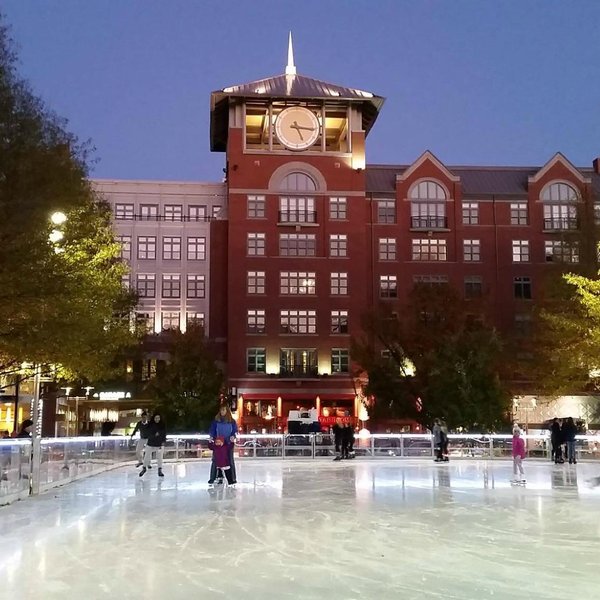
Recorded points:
556,440
337,438
224,426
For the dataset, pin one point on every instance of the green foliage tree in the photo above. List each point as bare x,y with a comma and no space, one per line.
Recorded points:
61,302
439,363
186,391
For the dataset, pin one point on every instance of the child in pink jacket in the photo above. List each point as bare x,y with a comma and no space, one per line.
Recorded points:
518,452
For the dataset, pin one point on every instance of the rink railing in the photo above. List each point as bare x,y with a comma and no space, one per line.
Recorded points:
28,468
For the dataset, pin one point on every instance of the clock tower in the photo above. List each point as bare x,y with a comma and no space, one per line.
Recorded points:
297,242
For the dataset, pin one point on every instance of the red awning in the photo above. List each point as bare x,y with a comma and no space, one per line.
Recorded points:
297,397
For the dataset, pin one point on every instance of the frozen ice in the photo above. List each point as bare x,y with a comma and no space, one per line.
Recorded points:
363,529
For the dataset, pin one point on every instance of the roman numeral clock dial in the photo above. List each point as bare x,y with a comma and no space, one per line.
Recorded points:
297,128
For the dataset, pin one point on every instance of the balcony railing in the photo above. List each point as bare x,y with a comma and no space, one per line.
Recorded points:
297,216
299,372
168,218
561,223
429,222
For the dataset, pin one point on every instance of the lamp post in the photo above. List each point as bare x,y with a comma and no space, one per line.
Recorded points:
67,414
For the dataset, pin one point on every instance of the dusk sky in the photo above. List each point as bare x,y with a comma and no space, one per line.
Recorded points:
474,81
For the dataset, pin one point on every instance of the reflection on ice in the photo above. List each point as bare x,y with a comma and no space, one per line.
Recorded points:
312,530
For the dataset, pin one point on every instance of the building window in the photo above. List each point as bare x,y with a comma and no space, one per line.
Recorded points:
473,287
522,288
339,321
559,193
298,362
124,212
518,213
386,211
428,249
387,248
216,209
471,251
562,252
145,321
298,321
297,283
428,206
338,209
170,320
338,245
340,360
255,321
297,244
146,285
146,247
560,216
173,212
430,279
125,241
195,286
256,360
388,286
255,282
195,318
523,325
339,284
196,248
520,251
171,286
197,212
470,213
171,248
298,182
149,212
256,207
297,210
256,244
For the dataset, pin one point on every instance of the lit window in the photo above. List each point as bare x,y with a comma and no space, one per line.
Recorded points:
171,286
340,360
171,248
388,286
339,284
256,244
297,283
298,321
195,286
195,318
256,360
256,282
520,251
255,321
338,245
170,320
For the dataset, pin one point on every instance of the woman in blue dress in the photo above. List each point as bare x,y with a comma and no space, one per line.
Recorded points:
224,426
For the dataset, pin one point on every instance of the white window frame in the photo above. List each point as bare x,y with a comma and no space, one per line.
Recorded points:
256,244
338,245
338,284
297,283
520,251
255,282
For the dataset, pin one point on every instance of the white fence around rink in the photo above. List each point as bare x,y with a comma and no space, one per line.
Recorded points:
28,468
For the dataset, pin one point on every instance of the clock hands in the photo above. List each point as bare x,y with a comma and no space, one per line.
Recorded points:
297,127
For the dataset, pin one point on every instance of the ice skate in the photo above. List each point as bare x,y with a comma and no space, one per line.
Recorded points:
160,473
143,472
338,457
139,464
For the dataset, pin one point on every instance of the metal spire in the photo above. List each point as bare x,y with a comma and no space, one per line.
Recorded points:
291,67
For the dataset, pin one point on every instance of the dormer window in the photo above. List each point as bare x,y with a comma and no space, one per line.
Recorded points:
428,206
560,206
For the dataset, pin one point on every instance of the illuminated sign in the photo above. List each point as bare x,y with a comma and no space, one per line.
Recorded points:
112,395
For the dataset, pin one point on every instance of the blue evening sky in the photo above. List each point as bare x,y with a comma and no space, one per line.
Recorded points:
474,81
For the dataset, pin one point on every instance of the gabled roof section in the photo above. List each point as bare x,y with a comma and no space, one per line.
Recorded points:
428,156
559,158
285,87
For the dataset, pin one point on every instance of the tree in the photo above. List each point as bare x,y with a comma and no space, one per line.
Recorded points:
62,301
187,389
439,362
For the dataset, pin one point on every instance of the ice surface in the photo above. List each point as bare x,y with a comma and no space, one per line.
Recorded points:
403,529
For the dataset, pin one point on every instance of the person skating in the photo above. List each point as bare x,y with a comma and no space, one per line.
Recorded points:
157,436
347,439
221,458
438,440
555,440
518,453
569,431
445,455
337,430
143,427
223,426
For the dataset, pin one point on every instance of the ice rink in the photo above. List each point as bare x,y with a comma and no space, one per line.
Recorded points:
406,529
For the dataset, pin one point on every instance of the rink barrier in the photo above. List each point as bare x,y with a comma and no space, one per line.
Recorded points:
29,468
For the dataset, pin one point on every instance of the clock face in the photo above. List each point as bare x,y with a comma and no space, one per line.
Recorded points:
297,128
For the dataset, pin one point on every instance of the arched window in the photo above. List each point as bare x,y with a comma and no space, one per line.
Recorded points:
428,206
560,206
298,182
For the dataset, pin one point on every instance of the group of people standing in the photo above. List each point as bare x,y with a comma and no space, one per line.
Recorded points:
563,434
343,436
153,436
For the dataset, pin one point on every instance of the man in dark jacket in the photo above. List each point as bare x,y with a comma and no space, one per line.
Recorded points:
157,436
569,431
143,427
26,428
337,431
347,440
556,441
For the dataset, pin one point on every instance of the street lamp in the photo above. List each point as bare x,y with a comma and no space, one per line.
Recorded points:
58,218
